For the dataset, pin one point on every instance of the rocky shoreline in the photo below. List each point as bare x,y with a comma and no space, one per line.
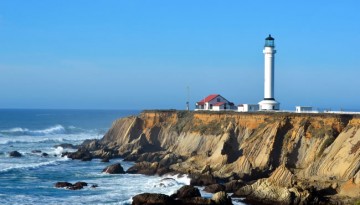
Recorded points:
268,158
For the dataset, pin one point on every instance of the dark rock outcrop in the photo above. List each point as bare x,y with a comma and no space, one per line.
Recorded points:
114,169
105,160
187,191
214,188
67,185
15,154
81,154
148,198
221,198
146,168
186,195
44,154
62,184
202,180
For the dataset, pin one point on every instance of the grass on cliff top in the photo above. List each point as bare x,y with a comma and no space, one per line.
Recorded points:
280,114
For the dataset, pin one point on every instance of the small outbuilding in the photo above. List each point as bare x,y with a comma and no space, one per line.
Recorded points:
300,109
214,102
248,107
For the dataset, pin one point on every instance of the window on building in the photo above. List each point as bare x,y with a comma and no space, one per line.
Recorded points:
218,100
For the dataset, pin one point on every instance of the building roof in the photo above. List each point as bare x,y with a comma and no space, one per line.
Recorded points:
207,99
269,38
219,103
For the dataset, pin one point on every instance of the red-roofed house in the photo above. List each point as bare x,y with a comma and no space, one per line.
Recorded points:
214,102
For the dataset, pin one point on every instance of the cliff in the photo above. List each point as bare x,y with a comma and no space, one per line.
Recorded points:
300,150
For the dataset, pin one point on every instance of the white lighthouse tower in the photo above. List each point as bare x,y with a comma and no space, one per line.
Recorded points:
269,102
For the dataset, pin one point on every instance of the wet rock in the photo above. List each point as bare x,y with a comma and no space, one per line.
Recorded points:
114,169
67,185
36,151
146,168
77,186
214,188
44,154
62,184
91,145
94,186
202,180
15,154
81,154
106,159
196,201
221,198
187,191
147,198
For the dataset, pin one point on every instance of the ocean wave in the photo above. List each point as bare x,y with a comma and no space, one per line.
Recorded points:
33,165
57,129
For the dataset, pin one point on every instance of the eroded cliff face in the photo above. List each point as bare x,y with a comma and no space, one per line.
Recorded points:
313,147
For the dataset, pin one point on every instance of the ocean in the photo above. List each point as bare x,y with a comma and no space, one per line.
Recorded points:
30,179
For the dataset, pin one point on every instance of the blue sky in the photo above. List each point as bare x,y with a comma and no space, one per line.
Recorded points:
134,54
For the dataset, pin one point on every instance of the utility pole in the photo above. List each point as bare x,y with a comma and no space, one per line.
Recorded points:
188,99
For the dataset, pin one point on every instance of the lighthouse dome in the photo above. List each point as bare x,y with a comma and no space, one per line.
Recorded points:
269,41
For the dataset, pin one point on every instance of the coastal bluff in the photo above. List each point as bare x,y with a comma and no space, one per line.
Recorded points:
284,158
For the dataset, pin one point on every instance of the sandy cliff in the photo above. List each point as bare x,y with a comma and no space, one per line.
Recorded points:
300,150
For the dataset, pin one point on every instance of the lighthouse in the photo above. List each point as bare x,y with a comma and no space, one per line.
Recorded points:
269,102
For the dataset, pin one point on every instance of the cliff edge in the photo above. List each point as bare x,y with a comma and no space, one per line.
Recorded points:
293,155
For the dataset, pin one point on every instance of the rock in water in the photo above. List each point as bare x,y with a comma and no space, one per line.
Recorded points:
214,188
147,198
187,191
62,184
67,185
114,169
221,198
202,180
105,159
15,154
146,168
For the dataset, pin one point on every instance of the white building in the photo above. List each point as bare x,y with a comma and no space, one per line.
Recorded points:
269,102
214,102
248,108
300,109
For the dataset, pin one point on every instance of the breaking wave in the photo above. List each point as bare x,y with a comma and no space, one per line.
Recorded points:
57,129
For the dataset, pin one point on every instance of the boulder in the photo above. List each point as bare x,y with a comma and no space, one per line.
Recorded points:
105,159
196,201
62,184
147,198
67,185
35,151
77,186
114,169
187,191
202,180
221,198
214,188
15,154
44,154
146,168
81,154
